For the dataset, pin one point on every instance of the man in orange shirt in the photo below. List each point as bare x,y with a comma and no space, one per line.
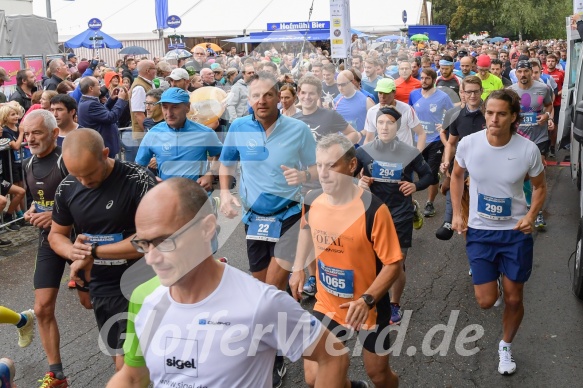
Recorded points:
358,255
405,83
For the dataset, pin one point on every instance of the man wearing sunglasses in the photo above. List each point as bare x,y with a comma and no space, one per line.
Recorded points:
220,319
99,199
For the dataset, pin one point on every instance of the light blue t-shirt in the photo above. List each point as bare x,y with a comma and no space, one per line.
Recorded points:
263,186
430,111
353,109
179,152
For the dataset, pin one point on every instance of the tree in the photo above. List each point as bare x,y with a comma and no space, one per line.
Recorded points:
533,19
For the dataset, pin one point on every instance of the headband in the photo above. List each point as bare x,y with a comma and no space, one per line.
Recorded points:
524,65
443,62
387,110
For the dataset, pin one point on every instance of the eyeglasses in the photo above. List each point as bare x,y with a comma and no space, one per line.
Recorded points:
162,244
474,92
150,103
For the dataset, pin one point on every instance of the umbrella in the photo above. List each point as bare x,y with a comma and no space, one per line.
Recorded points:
134,50
83,40
390,38
497,39
215,47
419,37
177,54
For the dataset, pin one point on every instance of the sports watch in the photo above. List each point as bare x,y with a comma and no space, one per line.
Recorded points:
369,300
94,250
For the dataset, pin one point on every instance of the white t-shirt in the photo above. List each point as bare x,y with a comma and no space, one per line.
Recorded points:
497,200
227,340
138,98
409,121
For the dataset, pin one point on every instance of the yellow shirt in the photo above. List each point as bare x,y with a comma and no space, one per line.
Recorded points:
490,84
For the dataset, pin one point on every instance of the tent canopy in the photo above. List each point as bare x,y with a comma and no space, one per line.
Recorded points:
286,36
136,19
84,40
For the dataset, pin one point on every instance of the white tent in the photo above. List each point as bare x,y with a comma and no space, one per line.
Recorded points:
135,19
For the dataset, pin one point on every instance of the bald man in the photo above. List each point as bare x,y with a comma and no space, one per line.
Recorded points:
351,103
141,85
99,198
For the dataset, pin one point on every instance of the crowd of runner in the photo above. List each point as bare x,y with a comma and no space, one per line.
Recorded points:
320,160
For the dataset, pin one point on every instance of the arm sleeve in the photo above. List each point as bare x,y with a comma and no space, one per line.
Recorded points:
308,149
230,153
144,154
423,171
369,125
384,237
296,333
214,145
536,164
131,346
338,123
61,213
138,99
460,153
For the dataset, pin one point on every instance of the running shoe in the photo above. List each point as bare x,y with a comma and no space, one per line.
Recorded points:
551,154
50,381
429,209
444,232
500,292
540,222
470,272
506,365
7,372
5,243
310,286
359,384
417,216
279,370
72,284
396,314
26,332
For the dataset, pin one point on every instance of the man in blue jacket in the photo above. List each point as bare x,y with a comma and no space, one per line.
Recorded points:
102,118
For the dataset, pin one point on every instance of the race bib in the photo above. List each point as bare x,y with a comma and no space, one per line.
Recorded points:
528,118
104,239
494,208
335,281
428,127
42,208
387,172
264,229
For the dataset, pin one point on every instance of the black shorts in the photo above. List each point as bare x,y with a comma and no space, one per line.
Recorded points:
5,187
405,233
432,154
544,147
110,331
375,341
49,266
261,252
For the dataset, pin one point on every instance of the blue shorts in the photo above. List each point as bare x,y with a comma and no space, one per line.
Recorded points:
491,252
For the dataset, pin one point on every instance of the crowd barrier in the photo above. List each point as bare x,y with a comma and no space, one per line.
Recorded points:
8,176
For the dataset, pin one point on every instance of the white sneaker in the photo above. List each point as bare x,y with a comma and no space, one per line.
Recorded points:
500,292
506,365
26,332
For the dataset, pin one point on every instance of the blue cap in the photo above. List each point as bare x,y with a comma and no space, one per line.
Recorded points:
175,96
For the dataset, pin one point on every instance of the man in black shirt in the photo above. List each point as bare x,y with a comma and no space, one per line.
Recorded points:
329,86
470,119
99,199
43,172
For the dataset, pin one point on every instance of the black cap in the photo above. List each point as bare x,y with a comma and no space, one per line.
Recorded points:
543,51
462,53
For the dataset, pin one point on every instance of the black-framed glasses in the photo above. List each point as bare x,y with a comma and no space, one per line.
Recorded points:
474,92
163,244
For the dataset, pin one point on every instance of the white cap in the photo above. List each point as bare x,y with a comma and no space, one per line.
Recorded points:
179,73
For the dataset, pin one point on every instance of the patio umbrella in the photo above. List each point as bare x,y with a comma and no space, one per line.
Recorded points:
390,38
215,47
134,50
177,54
84,39
497,39
419,37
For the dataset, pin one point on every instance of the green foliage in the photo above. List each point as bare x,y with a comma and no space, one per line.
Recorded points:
533,19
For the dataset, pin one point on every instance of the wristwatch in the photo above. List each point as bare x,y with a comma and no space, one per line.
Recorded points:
369,300
94,250
548,115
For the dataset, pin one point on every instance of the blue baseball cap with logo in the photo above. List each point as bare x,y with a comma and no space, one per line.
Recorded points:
175,96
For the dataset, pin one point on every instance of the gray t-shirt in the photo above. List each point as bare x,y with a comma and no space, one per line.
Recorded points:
532,104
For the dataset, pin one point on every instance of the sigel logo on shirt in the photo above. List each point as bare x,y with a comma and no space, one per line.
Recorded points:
180,364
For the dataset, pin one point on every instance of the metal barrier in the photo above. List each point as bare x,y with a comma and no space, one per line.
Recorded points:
129,145
7,148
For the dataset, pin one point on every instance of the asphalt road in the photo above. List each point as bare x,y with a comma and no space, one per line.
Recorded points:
439,291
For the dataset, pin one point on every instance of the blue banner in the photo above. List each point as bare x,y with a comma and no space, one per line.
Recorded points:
299,26
161,14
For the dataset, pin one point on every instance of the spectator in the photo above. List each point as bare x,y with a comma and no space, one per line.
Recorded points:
3,78
25,87
59,72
